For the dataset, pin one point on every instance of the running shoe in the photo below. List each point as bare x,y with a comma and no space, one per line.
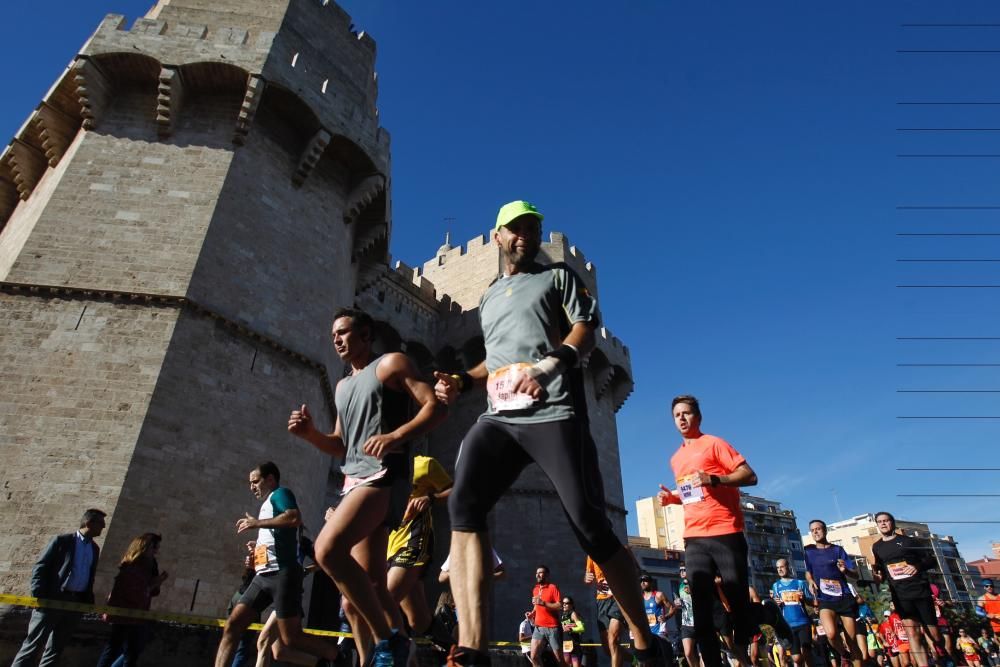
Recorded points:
401,647
382,655
657,655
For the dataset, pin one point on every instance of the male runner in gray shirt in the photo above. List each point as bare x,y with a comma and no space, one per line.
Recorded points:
371,435
538,322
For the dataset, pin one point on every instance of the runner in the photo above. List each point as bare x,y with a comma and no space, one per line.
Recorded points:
371,434
524,633
942,623
889,639
827,568
278,572
990,604
900,563
709,473
989,647
791,593
902,639
970,650
572,630
658,610
538,323
684,603
610,621
411,546
547,599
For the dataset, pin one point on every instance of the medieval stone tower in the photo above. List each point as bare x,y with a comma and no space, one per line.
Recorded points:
179,217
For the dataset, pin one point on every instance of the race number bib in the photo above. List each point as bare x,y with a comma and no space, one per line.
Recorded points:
688,492
791,597
500,387
260,556
831,587
567,646
651,620
896,570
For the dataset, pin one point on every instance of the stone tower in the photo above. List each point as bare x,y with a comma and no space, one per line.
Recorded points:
180,216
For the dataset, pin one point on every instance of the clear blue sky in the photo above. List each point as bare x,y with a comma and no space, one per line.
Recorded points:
731,169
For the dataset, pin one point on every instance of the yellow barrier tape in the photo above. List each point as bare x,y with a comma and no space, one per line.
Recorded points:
187,619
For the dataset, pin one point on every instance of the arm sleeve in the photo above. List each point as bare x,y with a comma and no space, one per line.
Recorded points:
577,301
282,500
727,456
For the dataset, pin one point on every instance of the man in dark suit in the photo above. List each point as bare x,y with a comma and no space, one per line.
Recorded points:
65,571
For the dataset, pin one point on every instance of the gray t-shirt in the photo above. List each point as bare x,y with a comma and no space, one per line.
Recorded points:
366,408
524,316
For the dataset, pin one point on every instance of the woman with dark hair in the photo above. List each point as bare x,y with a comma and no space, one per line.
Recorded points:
572,626
137,582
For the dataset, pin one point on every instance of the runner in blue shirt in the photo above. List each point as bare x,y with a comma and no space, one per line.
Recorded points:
827,569
791,595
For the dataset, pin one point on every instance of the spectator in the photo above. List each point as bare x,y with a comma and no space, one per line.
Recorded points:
65,571
137,583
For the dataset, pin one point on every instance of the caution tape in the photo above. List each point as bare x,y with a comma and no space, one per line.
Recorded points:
186,619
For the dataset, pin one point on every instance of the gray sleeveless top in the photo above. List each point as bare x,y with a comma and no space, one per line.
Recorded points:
366,407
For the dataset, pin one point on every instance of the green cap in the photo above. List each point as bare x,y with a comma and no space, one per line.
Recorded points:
515,209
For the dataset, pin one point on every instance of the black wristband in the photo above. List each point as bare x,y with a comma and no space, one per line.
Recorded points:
714,480
465,380
566,354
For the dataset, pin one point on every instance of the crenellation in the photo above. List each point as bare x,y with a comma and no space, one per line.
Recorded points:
147,26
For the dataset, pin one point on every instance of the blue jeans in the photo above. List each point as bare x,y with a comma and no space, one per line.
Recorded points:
125,644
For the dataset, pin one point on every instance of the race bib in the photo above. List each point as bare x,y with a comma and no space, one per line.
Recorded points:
831,587
791,597
651,620
500,387
260,556
567,646
896,570
688,492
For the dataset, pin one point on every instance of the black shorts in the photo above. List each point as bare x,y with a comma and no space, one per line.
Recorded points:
687,632
921,610
845,606
607,609
282,588
721,619
492,456
801,639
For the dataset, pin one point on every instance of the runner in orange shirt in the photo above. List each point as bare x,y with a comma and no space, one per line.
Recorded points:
990,603
709,473
610,620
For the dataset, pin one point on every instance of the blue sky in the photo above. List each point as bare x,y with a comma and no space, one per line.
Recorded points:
731,169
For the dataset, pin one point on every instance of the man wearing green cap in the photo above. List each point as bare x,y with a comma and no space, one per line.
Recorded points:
538,322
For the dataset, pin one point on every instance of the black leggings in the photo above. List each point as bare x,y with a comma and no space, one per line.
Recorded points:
494,453
726,556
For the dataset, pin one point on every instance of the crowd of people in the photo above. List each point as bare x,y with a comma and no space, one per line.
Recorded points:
538,323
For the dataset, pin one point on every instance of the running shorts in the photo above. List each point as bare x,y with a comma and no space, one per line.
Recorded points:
283,589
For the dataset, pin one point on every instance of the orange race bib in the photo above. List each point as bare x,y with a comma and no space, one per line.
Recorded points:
896,570
567,646
688,492
500,387
651,619
260,556
791,597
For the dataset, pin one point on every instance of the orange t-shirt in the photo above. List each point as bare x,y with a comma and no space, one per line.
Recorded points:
708,510
545,617
991,605
603,589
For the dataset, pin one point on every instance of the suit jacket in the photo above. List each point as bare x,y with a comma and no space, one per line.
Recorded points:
52,570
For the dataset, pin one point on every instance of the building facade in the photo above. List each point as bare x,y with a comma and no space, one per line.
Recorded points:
952,575
179,218
770,530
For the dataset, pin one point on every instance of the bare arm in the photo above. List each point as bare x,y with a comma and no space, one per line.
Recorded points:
742,476
300,424
396,371
290,518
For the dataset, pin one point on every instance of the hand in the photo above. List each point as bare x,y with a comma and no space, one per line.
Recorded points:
416,506
246,523
589,578
665,495
841,565
813,589
702,479
536,600
525,384
300,422
251,545
908,570
446,388
380,445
